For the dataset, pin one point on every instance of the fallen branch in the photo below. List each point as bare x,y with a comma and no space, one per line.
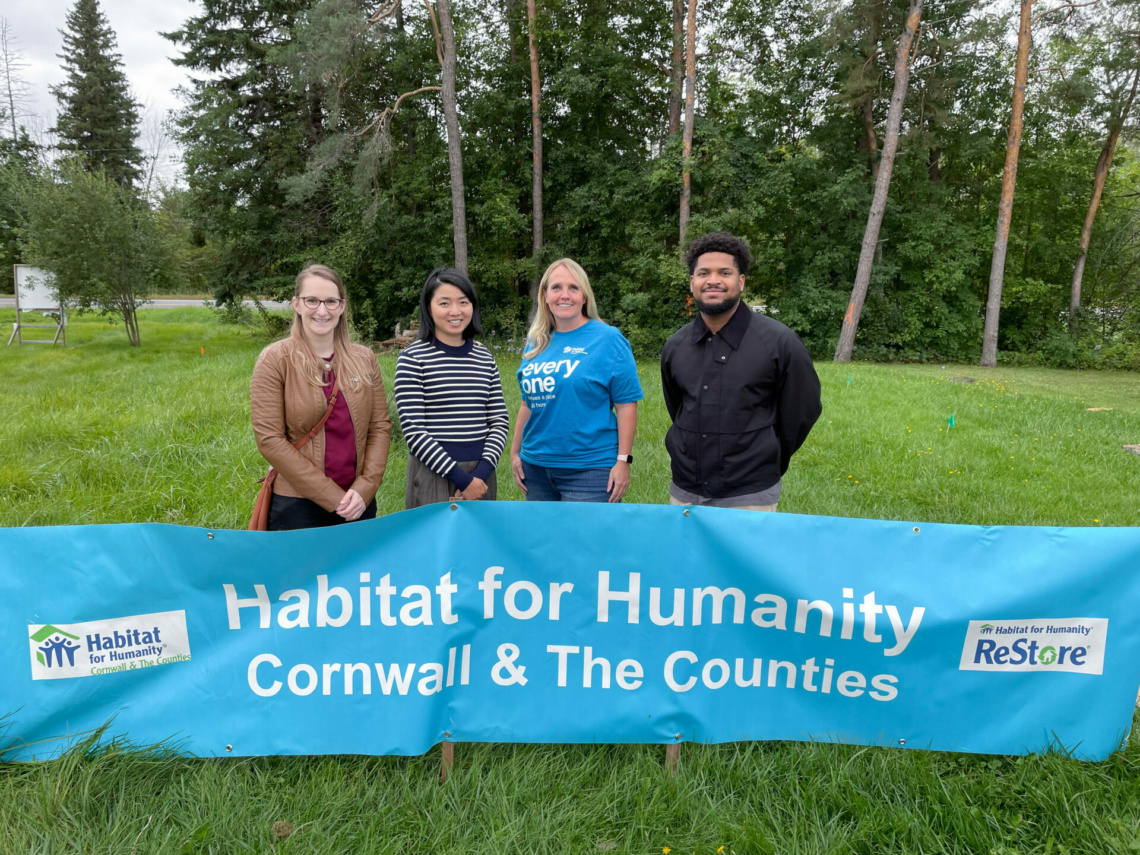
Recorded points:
384,12
1072,7
388,112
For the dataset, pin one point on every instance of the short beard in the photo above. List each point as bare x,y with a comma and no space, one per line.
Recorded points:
722,308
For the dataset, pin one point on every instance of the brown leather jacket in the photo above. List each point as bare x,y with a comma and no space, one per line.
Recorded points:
284,406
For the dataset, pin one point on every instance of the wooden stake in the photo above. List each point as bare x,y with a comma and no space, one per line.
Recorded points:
448,763
672,756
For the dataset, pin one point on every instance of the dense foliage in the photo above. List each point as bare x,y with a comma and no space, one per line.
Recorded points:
291,157
17,166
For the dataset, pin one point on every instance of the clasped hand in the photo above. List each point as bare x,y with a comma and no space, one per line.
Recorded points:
351,506
477,489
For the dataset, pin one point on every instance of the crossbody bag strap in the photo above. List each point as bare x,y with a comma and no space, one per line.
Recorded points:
317,427
259,521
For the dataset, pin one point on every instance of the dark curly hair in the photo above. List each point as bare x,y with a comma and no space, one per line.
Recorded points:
720,242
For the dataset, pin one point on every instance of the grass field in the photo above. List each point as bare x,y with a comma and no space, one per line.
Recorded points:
98,432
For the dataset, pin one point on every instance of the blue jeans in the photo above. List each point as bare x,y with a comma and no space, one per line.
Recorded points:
548,484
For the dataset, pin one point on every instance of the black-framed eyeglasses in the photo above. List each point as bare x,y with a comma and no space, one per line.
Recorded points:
313,303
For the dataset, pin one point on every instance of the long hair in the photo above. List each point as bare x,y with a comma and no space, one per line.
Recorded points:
542,327
351,366
448,276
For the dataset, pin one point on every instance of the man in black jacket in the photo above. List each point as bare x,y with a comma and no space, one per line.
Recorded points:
740,388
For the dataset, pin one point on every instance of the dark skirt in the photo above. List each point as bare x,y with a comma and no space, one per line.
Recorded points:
424,487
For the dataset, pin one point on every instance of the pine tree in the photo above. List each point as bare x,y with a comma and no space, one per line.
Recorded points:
98,119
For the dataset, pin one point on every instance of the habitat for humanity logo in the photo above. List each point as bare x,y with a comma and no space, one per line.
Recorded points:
1037,645
60,651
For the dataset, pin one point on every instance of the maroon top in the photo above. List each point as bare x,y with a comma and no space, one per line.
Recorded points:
340,441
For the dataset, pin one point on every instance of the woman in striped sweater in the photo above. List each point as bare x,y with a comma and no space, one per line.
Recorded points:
449,398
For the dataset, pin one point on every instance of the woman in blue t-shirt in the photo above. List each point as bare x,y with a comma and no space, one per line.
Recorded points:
573,438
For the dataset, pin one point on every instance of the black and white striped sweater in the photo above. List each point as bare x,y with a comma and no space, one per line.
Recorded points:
450,401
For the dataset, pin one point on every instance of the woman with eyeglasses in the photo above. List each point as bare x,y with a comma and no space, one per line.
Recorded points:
332,478
450,398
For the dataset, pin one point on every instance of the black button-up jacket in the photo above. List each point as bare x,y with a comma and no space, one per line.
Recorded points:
742,402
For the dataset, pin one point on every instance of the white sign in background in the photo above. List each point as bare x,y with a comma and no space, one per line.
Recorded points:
35,289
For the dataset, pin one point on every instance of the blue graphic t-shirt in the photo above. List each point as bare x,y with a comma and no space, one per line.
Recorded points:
570,389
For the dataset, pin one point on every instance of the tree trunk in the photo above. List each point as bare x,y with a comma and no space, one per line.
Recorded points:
882,186
130,320
934,164
934,161
1008,181
1103,164
12,60
690,93
454,150
513,28
677,67
8,79
536,135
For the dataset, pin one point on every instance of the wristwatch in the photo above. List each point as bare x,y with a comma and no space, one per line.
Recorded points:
625,458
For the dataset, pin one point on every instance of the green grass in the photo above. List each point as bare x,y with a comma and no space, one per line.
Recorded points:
98,432
749,798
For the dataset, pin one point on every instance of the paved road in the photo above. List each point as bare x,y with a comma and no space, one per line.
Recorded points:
10,303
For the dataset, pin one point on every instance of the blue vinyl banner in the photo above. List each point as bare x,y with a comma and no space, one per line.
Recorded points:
515,622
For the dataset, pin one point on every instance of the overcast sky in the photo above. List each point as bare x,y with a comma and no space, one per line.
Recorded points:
35,26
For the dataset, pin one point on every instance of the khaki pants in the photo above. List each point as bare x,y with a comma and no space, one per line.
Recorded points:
716,503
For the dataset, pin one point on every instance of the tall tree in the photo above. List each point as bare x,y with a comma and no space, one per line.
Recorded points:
12,65
1119,60
687,137
1008,182
1103,164
536,137
677,67
882,186
454,141
98,119
243,129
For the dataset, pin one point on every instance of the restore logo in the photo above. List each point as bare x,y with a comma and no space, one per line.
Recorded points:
1037,645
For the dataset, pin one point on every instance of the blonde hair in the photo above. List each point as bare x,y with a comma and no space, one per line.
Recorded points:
351,366
542,327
